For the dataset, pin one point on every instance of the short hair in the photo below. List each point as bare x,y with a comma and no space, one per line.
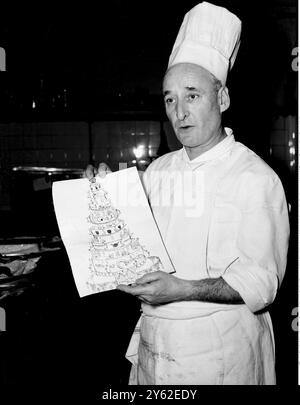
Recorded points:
216,82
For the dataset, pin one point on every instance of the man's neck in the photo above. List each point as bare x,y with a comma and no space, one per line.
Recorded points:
196,151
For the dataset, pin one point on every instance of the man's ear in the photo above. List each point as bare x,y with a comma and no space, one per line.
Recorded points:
223,99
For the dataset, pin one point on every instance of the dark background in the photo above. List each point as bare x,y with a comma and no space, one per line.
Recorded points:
111,59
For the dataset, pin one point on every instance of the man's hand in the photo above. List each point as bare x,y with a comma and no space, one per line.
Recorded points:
92,171
160,288
157,288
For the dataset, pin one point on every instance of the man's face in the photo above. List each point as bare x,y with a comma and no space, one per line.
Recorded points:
192,107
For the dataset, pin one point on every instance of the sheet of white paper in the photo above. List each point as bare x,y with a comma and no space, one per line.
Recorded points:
108,230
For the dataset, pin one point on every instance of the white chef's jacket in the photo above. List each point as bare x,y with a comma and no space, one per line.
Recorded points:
221,214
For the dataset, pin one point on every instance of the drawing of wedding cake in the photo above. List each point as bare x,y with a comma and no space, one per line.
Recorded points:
116,256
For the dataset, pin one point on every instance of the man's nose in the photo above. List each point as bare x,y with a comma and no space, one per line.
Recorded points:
181,111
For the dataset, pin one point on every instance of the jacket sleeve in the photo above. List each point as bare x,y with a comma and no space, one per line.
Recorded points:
262,241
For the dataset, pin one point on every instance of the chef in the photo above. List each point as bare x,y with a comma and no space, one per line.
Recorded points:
222,214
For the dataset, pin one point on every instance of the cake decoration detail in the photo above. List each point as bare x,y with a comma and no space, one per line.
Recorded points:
116,255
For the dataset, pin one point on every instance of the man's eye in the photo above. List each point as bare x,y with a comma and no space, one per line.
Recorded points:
192,97
169,100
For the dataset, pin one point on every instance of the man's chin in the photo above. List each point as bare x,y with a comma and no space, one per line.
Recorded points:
185,140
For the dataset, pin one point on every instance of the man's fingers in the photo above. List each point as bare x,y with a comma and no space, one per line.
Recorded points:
133,289
89,172
103,170
149,277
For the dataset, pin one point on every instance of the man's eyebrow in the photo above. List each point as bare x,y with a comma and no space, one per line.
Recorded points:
189,88
192,88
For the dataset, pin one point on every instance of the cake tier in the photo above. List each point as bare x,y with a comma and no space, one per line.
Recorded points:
133,263
117,250
99,281
103,216
110,241
107,229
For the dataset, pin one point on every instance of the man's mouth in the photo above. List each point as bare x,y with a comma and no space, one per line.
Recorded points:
185,127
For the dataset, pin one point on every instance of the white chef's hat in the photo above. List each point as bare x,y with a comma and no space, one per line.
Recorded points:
210,37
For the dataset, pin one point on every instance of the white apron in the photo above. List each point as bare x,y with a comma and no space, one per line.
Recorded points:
232,347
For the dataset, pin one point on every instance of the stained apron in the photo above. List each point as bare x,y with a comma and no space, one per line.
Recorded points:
229,347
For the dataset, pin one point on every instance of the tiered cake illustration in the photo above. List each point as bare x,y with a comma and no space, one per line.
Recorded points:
116,256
